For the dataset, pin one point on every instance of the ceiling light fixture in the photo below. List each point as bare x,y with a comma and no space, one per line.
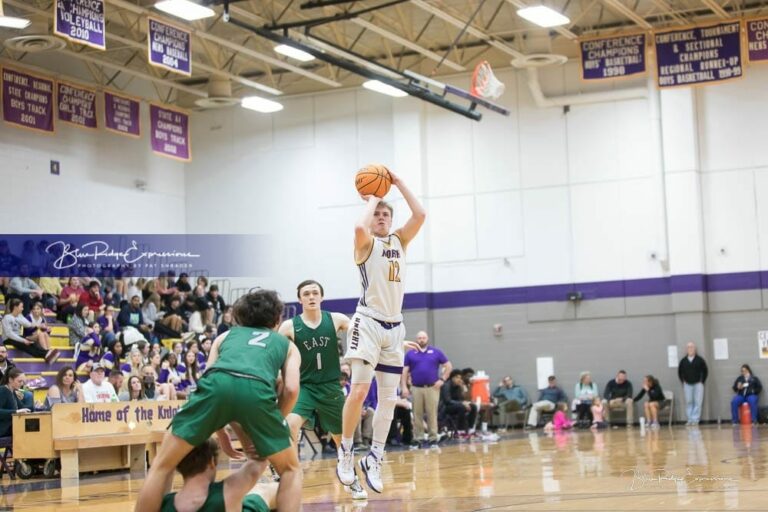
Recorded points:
543,16
185,9
262,105
381,87
294,53
12,21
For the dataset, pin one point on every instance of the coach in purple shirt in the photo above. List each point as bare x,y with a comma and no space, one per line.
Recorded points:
423,366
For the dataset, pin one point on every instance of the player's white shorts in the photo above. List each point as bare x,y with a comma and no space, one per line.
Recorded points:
379,344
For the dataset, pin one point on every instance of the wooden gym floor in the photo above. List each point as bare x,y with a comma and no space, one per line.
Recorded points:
706,468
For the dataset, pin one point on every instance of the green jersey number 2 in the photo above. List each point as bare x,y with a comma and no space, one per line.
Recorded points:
258,339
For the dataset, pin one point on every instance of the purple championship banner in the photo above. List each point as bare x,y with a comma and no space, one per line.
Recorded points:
169,47
81,21
139,255
122,114
757,39
612,57
76,105
27,100
699,55
169,132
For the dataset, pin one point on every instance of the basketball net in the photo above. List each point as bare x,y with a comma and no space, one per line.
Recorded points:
484,82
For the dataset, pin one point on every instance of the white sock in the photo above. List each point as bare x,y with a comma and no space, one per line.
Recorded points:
347,443
377,449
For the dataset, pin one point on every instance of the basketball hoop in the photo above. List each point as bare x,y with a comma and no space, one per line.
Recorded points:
484,82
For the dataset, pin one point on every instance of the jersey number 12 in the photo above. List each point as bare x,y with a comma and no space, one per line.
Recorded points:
394,271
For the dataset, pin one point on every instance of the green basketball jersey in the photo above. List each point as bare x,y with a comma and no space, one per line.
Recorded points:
257,353
214,502
319,349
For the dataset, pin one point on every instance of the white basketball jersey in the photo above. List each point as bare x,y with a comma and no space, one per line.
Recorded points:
382,279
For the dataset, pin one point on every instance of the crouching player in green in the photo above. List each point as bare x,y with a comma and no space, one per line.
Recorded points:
239,387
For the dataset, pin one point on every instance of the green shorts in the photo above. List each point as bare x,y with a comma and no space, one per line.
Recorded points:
254,503
221,398
327,399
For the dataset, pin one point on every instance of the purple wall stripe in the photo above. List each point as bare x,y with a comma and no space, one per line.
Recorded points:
558,292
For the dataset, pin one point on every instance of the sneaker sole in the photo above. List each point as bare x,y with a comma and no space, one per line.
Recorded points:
367,481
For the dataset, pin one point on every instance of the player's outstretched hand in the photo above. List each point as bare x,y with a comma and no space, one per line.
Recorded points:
226,446
410,345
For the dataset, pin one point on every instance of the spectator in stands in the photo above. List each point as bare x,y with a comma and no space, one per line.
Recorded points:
182,285
39,333
116,380
95,390
227,321
154,390
747,388
78,324
171,325
652,387
71,293
401,431
364,431
67,389
618,393
112,358
89,350
92,297
24,288
198,319
424,368
510,396
549,398
692,372
163,288
8,261
344,383
134,390
155,360
170,370
131,316
205,345
134,364
463,411
13,323
191,374
5,364
216,301
51,287
178,349
584,392
150,310
10,402
133,289
108,323
201,287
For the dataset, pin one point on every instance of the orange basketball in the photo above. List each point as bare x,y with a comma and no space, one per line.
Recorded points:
373,180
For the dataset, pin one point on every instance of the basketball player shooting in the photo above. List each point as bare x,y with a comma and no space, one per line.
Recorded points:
376,333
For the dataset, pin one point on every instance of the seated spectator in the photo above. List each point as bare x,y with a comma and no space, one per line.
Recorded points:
163,287
216,301
452,397
364,431
205,345
155,360
112,358
39,333
171,370
116,380
401,431
70,295
92,298
24,288
131,316
227,321
344,382
88,350
154,390
150,310
134,364
133,289
747,388
67,389
134,390
201,287
96,390
598,419
549,398
10,401
108,323
78,324
194,347
619,393
13,323
182,285
191,373
198,319
510,396
583,394
51,287
178,349
5,363
652,387
466,378
172,324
